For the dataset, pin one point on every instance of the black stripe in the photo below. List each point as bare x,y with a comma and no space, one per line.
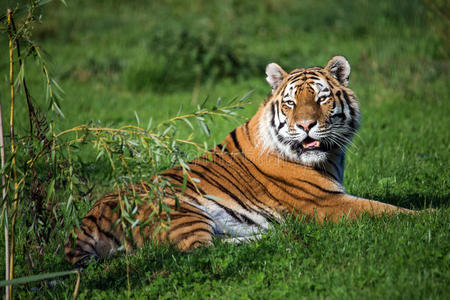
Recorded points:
244,167
248,221
191,197
277,107
274,181
331,175
347,99
87,233
190,233
235,141
80,243
320,188
237,216
92,219
180,179
295,78
294,81
185,224
344,117
220,176
222,189
233,196
351,109
247,184
183,211
189,187
247,131
249,187
339,115
272,120
104,217
311,73
217,185
110,236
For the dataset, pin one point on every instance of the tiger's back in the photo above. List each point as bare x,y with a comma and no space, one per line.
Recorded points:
289,158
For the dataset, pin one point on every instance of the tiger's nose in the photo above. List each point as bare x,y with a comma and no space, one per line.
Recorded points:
307,124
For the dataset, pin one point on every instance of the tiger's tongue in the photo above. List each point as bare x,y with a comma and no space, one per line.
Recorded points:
311,144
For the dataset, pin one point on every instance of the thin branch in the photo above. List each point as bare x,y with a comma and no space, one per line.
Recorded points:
13,149
5,205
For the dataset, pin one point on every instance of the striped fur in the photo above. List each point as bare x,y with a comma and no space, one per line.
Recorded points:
289,158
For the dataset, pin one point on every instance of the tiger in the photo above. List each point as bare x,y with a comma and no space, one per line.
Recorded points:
288,159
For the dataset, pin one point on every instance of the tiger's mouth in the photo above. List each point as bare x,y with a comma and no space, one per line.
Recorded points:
310,144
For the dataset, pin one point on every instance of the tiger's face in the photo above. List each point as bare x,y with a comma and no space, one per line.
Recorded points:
310,112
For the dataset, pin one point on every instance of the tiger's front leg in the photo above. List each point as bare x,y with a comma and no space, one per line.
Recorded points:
343,205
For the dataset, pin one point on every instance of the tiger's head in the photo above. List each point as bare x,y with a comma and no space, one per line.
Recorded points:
310,112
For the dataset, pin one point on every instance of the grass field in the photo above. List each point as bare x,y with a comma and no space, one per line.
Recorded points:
115,58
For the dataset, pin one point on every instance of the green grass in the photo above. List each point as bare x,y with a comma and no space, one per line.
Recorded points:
113,59
403,257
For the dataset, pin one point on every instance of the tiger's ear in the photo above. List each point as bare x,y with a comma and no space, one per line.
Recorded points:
275,75
339,68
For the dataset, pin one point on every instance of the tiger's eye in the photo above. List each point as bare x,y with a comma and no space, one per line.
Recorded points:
290,102
323,99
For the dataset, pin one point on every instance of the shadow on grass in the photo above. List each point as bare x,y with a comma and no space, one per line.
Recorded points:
414,201
166,266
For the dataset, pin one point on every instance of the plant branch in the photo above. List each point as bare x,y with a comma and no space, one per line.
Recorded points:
5,205
13,149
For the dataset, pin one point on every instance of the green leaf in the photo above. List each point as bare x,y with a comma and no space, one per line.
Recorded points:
219,101
20,75
149,125
58,87
51,190
205,128
203,104
58,110
137,118
32,278
245,96
167,130
180,110
69,203
183,164
135,223
188,122
44,2
212,197
184,183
